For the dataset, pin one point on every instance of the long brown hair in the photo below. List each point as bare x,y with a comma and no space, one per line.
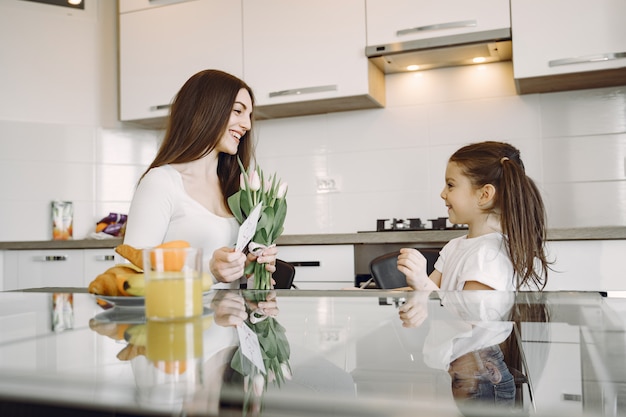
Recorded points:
198,118
518,200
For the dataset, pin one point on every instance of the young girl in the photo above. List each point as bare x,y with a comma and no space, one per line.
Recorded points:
487,188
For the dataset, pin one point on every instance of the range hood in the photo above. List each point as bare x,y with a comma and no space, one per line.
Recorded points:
448,51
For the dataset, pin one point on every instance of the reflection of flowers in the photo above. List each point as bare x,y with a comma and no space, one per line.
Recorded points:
256,188
275,352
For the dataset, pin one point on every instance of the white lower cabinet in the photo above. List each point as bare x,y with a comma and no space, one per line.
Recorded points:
43,268
321,267
556,381
96,261
1,270
54,268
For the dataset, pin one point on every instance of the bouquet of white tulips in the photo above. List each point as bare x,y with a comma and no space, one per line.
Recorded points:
256,188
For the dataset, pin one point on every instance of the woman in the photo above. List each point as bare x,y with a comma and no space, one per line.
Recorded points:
183,194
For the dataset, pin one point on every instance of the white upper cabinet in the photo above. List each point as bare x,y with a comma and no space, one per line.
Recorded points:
308,57
393,21
162,46
568,44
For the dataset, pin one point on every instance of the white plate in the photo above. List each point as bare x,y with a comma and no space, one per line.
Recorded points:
122,315
127,301
123,301
129,315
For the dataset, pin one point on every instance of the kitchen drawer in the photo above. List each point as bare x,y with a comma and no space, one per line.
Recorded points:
43,268
96,261
321,266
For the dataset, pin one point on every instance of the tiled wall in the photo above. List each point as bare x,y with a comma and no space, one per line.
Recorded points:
59,138
386,163
390,163
94,168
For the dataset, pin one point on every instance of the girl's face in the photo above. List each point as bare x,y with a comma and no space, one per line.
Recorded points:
239,123
460,196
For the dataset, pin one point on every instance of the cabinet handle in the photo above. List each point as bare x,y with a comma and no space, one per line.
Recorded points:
438,26
305,90
160,107
305,263
587,58
51,258
104,258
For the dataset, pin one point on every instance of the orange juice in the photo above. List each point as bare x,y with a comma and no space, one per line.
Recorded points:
173,296
171,341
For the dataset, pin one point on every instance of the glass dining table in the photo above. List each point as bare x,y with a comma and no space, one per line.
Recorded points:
340,353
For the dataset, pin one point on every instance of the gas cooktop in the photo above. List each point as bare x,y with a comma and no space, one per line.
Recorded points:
415,224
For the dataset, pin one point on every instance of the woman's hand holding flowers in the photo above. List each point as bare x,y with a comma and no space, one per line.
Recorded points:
227,265
265,256
269,307
229,309
268,192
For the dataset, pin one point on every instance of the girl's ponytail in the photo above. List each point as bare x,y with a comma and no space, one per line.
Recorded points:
523,221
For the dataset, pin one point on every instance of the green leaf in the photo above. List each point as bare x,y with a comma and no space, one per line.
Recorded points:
281,214
246,206
235,206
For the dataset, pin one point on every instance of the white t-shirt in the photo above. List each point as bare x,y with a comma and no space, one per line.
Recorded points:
483,320
482,259
162,211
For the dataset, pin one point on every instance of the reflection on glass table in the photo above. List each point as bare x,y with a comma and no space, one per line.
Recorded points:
321,353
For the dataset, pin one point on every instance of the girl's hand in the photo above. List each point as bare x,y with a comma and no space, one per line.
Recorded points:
415,310
413,264
227,265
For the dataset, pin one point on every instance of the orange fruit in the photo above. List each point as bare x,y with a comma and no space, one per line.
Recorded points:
172,260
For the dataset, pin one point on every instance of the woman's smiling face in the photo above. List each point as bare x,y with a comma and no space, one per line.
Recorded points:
239,123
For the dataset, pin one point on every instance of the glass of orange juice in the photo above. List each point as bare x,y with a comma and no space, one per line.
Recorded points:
173,279
174,346
172,370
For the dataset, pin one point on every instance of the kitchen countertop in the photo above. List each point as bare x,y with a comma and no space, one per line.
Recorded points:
420,236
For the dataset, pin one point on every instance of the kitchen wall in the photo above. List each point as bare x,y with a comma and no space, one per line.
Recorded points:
60,138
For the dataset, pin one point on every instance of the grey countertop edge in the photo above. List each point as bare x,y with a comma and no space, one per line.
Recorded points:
422,236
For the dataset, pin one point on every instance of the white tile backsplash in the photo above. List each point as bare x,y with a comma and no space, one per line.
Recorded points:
387,162
36,142
584,112
585,204
127,146
585,158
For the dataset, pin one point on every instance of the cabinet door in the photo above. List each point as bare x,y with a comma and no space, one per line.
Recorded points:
96,261
161,47
2,284
321,267
562,37
308,52
44,268
125,6
391,21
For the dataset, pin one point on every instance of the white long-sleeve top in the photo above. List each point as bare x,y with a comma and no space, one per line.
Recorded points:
162,211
